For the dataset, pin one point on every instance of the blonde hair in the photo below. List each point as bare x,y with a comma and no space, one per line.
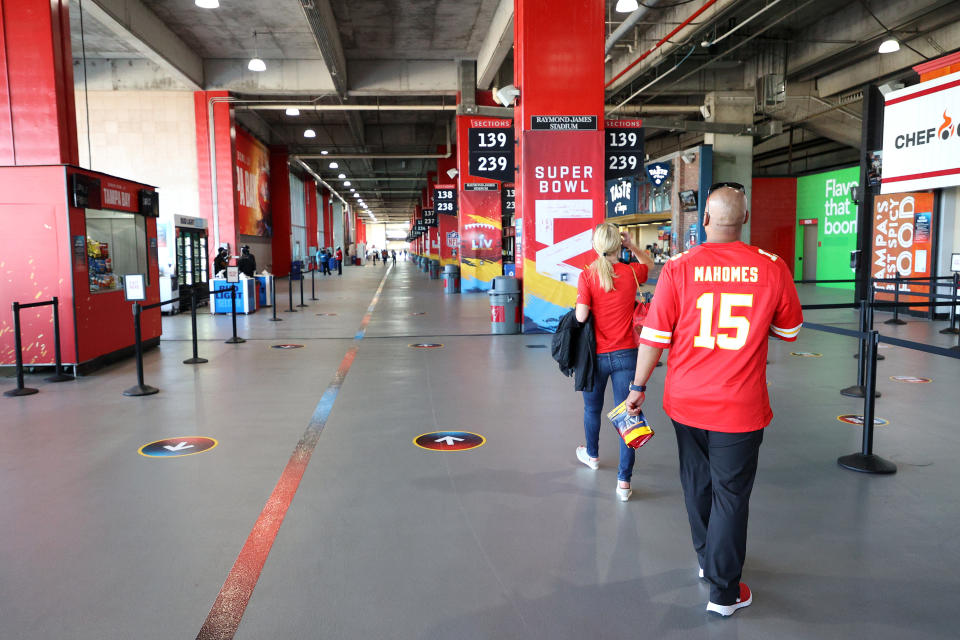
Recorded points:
606,241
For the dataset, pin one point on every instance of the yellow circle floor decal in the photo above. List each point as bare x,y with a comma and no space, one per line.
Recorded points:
177,447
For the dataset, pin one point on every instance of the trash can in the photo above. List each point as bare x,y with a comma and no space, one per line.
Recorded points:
434,269
295,270
505,305
451,279
425,264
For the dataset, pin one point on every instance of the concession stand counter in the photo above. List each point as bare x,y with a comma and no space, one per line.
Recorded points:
74,234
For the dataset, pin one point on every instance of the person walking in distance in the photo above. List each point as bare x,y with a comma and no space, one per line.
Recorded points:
393,256
714,307
339,262
608,289
325,262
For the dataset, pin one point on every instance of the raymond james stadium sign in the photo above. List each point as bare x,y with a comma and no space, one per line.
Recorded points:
563,123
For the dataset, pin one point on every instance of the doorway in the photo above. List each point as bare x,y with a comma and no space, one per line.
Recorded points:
809,252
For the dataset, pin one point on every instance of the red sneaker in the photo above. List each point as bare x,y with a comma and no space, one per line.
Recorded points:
745,600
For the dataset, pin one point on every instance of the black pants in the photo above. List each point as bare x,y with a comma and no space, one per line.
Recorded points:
717,472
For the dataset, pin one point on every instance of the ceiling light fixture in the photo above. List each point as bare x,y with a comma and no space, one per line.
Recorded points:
256,64
342,176
889,46
627,6
293,111
334,165
353,190
207,4
324,152
346,183
309,133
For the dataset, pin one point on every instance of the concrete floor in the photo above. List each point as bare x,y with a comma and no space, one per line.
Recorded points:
384,540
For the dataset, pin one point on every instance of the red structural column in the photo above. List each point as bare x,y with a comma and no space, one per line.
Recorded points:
447,225
38,120
558,67
222,218
310,204
433,233
280,209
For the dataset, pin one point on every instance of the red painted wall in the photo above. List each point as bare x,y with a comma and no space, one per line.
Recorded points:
280,206
310,201
773,216
227,197
38,120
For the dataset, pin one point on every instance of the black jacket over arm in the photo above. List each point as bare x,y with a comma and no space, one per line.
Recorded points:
574,347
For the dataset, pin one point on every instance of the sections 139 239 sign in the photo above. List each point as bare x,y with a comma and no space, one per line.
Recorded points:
623,148
491,146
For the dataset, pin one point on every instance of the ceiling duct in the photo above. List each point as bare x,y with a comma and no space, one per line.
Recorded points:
323,24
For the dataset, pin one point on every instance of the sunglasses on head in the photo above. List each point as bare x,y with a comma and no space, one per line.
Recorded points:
733,185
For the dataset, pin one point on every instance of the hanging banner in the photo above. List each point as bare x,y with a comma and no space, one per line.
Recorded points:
429,218
621,197
658,172
445,199
921,136
903,225
491,148
480,236
252,162
624,149
563,188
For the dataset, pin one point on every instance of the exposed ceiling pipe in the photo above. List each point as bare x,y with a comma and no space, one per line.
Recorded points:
742,23
349,107
637,110
706,5
628,24
320,180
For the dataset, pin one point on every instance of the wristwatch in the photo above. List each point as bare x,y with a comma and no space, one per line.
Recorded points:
640,388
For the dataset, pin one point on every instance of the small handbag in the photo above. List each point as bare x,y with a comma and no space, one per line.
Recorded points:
640,310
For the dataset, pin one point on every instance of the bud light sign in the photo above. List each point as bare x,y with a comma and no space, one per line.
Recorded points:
658,172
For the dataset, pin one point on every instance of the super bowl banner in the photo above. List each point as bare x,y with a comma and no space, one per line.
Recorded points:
480,235
253,186
921,136
903,226
563,181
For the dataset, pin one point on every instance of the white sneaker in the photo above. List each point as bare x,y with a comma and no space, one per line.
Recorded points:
587,460
745,600
623,494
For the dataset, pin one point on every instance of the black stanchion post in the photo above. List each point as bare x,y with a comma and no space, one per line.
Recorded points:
58,375
21,390
140,389
290,293
273,301
193,327
313,278
301,290
233,314
953,307
859,390
866,461
869,326
896,302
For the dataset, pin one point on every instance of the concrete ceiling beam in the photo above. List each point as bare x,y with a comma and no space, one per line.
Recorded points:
139,27
881,66
306,77
496,45
403,77
323,24
835,34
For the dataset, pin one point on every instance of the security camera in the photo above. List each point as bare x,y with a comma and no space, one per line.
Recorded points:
452,173
507,95
688,157
705,111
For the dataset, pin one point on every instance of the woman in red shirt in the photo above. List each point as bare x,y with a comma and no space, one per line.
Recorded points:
608,289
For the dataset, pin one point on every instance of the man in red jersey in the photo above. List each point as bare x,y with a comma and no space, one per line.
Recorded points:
714,307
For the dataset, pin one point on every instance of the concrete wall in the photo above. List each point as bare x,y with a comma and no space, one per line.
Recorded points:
148,136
